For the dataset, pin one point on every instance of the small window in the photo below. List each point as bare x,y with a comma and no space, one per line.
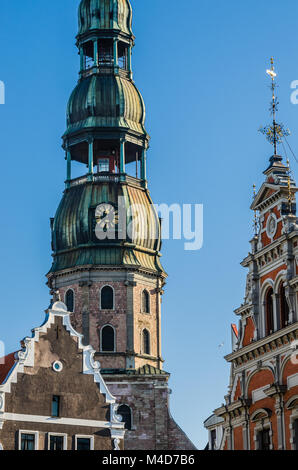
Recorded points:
125,412
213,439
84,443
107,339
103,165
284,307
107,298
27,441
264,439
56,443
56,406
69,300
269,312
146,342
145,302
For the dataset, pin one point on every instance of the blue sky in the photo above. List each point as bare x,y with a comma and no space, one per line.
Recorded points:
200,66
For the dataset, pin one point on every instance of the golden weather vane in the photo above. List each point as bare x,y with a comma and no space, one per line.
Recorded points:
275,132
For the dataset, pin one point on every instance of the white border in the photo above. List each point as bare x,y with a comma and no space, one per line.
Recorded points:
36,438
50,434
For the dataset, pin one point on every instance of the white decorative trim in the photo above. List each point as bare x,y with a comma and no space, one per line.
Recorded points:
90,366
80,436
292,381
50,434
270,229
36,438
57,366
61,421
259,393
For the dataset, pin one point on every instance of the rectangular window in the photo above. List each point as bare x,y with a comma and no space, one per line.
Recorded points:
83,443
56,406
264,439
27,441
56,443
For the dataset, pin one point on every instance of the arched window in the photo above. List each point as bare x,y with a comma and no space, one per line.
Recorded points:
107,298
108,339
284,307
269,312
125,412
69,300
146,342
145,302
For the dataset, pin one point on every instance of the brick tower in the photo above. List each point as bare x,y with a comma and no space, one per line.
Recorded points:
106,234
261,408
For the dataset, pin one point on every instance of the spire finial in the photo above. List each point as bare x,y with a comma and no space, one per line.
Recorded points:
275,132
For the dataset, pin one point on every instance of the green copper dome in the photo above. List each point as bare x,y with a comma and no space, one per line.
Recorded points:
105,15
106,101
74,241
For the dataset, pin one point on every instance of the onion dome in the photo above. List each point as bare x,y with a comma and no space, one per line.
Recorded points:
106,101
105,15
74,241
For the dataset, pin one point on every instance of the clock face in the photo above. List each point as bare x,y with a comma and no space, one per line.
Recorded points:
271,226
106,217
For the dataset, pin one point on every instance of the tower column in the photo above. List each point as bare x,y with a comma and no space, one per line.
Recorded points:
95,44
68,172
115,52
122,156
129,59
143,167
90,160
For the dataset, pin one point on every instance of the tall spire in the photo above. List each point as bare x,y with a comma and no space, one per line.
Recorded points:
275,132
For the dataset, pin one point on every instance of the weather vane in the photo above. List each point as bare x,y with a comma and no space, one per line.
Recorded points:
275,132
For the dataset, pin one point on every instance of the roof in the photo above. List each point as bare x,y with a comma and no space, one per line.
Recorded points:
213,420
6,364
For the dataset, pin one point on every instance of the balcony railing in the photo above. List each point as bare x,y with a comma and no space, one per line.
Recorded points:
105,177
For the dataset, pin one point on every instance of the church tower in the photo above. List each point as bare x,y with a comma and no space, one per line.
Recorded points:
106,236
261,408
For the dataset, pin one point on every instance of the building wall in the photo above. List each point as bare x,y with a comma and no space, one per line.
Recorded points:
80,396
